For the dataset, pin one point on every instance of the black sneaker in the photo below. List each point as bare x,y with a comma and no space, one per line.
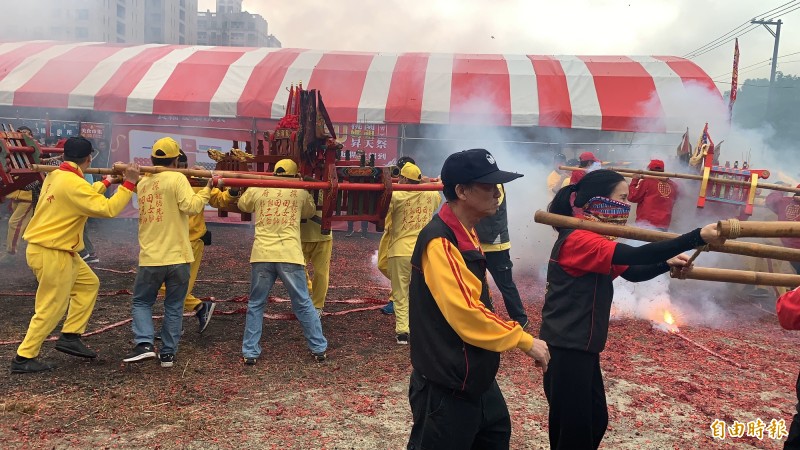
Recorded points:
71,344
167,359
140,353
250,361
204,314
402,338
29,365
320,357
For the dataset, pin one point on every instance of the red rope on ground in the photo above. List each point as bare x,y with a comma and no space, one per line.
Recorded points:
711,352
114,270
240,299
219,280
99,294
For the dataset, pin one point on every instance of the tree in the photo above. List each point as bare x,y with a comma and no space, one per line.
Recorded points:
750,110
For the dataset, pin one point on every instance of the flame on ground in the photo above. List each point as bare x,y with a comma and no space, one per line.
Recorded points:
669,322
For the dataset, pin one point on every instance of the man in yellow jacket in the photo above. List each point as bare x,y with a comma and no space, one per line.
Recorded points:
166,200
55,236
557,178
22,207
199,237
409,212
277,253
383,247
317,249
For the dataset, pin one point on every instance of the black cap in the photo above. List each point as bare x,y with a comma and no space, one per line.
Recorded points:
475,165
77,147
403,160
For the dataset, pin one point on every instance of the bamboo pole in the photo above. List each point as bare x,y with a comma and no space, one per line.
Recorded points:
294,183
737,276
688,176
239,179
119,168
733,228
90,170
640,234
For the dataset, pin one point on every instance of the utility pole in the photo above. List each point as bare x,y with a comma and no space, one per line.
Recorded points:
777,35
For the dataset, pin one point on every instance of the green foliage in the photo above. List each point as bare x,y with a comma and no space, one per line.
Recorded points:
750,110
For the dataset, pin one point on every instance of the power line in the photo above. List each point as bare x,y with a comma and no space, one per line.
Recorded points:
726,35
731,39
729,33
757,85
781,10
742,69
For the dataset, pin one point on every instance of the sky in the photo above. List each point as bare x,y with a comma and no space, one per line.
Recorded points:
538,27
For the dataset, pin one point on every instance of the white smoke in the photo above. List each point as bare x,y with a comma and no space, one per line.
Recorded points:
530,151
690,301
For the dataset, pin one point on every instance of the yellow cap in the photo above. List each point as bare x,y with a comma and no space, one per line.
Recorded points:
286,168
166,147
411,171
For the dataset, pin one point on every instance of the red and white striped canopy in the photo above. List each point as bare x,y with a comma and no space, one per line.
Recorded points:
617,93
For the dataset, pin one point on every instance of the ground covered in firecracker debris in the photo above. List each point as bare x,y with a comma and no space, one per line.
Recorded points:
663,391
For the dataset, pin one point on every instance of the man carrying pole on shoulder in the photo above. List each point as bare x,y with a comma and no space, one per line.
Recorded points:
55,236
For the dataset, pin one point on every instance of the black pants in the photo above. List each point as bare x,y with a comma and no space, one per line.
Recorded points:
796,266
499,265
793,440
443,420
574,389
364,226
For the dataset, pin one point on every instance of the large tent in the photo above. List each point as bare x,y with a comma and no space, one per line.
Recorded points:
611,93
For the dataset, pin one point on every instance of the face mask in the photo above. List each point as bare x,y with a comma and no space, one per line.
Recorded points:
603,209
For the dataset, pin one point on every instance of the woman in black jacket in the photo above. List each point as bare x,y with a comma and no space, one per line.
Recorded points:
577,305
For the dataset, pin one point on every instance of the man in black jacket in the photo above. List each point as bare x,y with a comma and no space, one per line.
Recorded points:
496,244
456,337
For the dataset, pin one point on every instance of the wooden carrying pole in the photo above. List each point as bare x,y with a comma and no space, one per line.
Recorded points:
738,276
631,172
295,183
91,170
118,169
733,228
640,234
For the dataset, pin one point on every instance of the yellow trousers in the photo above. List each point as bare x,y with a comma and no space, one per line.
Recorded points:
319,255
400,274
190,303
383,258
66,285
21,215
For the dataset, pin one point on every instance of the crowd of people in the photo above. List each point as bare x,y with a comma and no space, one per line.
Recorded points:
435,252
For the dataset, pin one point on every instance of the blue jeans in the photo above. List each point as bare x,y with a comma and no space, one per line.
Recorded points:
263,276
145,289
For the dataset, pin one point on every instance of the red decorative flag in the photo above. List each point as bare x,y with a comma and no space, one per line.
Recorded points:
734,80
684,147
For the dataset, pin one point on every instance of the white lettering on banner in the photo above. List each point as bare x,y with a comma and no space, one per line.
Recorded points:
191,118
